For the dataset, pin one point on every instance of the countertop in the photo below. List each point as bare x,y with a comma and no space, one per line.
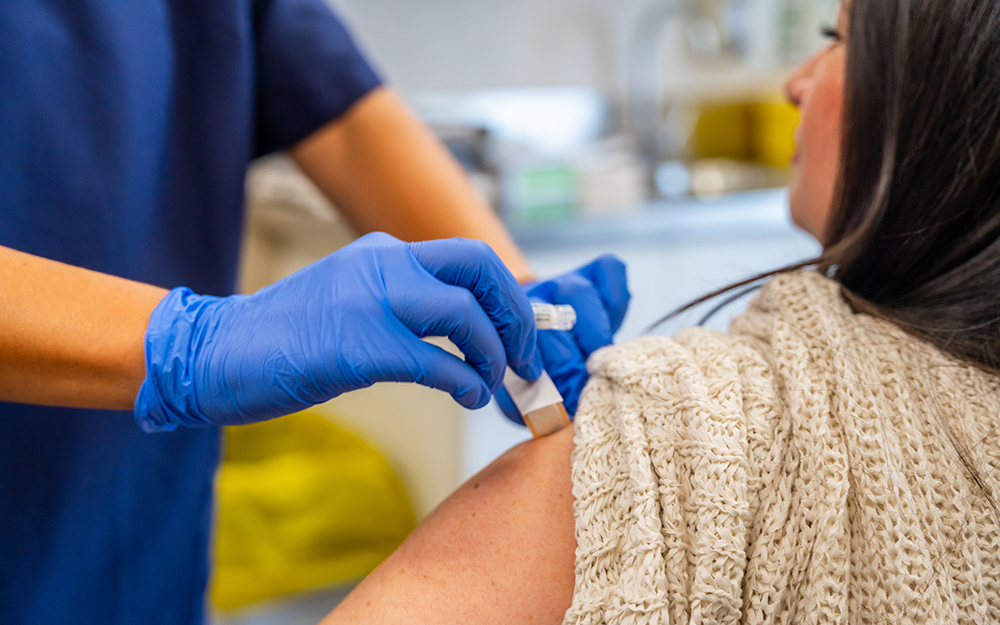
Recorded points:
742,216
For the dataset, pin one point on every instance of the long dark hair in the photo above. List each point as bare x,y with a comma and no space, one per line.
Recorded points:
914,232
914,235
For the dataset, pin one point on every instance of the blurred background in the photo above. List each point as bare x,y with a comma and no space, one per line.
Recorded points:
652,129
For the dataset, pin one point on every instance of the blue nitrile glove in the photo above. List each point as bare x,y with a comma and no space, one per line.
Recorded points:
343,323
599,294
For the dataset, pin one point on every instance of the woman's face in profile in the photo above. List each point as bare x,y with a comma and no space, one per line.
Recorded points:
817,88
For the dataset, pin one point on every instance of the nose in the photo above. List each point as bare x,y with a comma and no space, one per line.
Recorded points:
798,82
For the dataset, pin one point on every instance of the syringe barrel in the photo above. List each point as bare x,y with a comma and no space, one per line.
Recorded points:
553,316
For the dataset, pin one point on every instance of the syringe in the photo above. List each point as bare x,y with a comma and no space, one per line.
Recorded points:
553,316
540,403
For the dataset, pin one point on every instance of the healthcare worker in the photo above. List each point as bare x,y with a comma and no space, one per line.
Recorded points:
125,132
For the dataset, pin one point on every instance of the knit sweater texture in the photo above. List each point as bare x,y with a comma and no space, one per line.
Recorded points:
803,468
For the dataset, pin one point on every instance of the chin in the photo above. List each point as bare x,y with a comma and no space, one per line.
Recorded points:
795,207
802,213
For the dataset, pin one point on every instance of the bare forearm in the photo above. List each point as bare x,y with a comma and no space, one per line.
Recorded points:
69,336
386,172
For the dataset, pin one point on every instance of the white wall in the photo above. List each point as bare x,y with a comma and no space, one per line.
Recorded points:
433,45
428,45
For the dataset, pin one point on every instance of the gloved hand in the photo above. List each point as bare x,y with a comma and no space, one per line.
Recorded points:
343,323
599,294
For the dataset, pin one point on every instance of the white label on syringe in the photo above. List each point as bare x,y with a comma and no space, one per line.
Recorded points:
553,316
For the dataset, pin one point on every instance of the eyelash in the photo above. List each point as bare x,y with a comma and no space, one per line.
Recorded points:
831,33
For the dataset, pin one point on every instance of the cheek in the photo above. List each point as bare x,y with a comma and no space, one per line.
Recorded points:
819,156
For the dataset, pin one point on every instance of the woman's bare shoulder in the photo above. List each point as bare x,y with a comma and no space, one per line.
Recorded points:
500,549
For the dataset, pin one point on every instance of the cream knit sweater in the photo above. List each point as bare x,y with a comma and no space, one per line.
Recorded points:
798,470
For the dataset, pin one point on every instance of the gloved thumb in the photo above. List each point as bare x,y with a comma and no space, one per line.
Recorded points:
508,407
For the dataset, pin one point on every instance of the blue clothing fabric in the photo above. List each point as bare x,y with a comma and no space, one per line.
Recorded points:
125,132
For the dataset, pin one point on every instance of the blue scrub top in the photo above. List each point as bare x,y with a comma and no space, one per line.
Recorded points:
125,132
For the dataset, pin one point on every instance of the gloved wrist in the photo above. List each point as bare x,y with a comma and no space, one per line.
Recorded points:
168,395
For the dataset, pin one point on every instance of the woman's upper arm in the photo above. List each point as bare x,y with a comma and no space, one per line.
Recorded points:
500,549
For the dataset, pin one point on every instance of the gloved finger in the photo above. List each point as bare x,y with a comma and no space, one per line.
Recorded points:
507,406
572,385
439,309
431,366
593,327
566,366
609,276
474,266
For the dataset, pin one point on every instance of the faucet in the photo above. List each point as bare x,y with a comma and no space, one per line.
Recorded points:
645,105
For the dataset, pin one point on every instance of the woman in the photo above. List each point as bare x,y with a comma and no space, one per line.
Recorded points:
832,458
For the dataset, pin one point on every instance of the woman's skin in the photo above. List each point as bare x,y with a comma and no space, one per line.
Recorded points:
501,549
817,88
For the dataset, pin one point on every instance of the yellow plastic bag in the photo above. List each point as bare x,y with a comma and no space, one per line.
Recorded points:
302,503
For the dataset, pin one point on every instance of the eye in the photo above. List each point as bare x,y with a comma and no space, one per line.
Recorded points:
832,34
